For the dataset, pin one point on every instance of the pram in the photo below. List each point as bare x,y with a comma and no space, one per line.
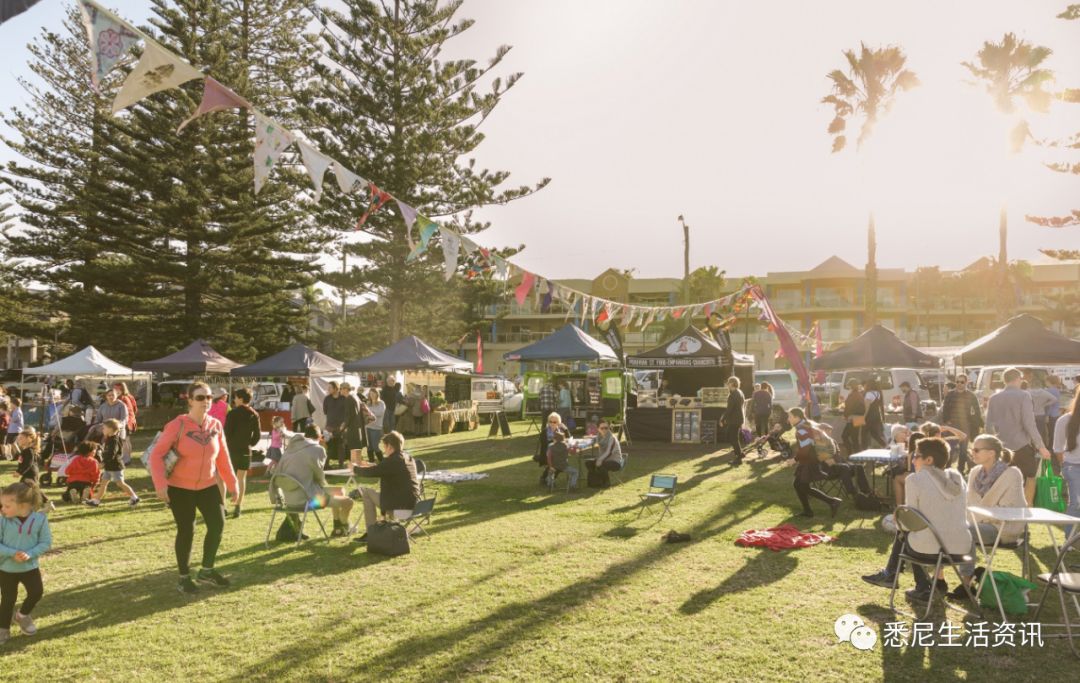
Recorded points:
778,424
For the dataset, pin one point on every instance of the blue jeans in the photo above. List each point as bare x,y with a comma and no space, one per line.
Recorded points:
1070,471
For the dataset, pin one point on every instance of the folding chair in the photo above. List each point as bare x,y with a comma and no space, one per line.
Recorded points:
420,515
1065,582
280,484
617,474
909,520
661,488
421,472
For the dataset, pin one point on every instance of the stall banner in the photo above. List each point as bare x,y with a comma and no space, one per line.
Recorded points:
217,97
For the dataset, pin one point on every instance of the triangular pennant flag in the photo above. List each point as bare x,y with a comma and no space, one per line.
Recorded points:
427,229
522,291
316,163
378,198
627,315
649,318
708,309
602,317
662,314
502,268
157,70
451,243
271,139
677,314
348,181
408,214
217,97
571,305
545,303
468,245
109,39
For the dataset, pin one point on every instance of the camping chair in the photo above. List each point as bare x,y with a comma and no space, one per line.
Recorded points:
661,488
1065,582
420,515
421,472
617,474
909,520
280,484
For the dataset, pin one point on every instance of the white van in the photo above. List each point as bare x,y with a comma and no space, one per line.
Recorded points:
493,394
990,379
785,386
889,382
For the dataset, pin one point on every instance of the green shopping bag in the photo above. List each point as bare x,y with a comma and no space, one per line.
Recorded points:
1013,590
1049,489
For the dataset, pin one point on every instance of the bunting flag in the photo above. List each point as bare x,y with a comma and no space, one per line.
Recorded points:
378,198
522,290
602,317
571,305
661,314
408,214
157,70
271,139
502,268
468,245
545,303
427,230
647,320
316,163
451,242
628,315
348,181
217,97
787,346
109,39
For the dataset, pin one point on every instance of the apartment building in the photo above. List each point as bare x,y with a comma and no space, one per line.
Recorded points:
928,308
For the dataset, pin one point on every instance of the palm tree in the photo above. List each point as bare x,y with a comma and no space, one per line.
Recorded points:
1010,71
868,89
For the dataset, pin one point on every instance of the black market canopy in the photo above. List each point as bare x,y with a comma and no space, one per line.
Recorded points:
1024,339
878,347
197,358
569,343
296,361
688,349
410,353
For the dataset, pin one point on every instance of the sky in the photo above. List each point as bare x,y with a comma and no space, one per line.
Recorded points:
644,110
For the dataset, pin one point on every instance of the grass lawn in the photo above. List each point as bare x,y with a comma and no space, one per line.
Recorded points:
513,583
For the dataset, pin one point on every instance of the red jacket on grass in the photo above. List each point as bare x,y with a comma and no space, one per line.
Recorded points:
83,469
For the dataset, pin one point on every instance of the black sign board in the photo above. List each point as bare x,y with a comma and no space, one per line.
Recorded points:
708,431
499,423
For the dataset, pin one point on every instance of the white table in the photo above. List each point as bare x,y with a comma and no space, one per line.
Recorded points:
878,456
1026,516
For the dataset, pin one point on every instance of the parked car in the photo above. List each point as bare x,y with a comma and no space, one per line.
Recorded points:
990,380
888,380
785,386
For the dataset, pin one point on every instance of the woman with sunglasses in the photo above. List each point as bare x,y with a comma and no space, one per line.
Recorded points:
199,441
547,437
992,482
609,458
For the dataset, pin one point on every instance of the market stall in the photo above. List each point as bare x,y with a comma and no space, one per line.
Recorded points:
694,371
1022,340
91,364
298,361
196,359
413,353
596,392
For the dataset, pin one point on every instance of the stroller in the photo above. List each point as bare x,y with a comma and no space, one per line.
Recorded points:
778,424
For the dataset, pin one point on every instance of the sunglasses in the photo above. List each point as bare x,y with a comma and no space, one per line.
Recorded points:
603,429
200,397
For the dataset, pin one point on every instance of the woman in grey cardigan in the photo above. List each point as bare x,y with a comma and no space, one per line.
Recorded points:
608,459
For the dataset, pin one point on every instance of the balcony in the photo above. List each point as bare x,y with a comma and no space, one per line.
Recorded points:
527,309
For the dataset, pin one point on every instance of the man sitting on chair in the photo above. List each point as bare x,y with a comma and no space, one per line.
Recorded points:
399,488
303,460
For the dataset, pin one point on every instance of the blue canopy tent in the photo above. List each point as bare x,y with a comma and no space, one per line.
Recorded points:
410,353
569,343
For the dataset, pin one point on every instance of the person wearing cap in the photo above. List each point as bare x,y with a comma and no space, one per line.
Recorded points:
219,409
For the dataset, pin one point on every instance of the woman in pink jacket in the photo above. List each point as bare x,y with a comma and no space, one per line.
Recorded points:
199,441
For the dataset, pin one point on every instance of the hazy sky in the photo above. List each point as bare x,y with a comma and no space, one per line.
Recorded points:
644,110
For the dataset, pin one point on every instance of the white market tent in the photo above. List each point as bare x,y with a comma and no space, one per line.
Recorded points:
89,363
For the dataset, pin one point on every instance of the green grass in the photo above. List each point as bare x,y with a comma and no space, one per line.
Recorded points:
513,583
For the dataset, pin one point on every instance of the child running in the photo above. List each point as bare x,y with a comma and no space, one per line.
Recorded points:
24,537
113,465
82,473
28,443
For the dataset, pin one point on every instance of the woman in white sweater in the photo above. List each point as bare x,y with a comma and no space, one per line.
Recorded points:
992,482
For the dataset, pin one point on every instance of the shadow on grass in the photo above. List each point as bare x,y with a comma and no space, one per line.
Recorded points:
760,570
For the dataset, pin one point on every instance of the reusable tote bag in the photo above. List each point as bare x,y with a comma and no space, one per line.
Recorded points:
1049,489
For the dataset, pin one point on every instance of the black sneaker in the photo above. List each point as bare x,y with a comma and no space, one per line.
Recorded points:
187,586
882,578
211,577
958,594
360,539
354,494
834,506
921,594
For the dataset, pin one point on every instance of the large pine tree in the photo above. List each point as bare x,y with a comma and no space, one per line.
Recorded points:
393,112
149,238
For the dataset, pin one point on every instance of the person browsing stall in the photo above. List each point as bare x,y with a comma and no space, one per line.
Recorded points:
1010,415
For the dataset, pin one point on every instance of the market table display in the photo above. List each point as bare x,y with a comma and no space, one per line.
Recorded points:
879,456
579,446
1026,516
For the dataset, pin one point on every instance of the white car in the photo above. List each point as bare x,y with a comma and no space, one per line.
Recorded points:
785,387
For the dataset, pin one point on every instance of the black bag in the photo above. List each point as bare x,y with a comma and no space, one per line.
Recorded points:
289,531
387,538
597,478
869,502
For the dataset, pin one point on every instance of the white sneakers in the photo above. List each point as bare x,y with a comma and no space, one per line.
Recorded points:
26,624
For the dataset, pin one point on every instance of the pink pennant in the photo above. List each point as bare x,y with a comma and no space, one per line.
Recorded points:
216,97
522,291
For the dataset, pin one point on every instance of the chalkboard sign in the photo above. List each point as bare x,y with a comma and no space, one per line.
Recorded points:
685,426
499,423
708,431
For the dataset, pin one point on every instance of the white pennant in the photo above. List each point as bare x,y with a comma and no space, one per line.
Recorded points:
157,70
316,163
110,39
649,319
348,181
271,139
468,245
451,242
408,214
569,303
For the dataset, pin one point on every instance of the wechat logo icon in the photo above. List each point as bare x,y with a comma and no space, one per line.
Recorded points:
852,629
